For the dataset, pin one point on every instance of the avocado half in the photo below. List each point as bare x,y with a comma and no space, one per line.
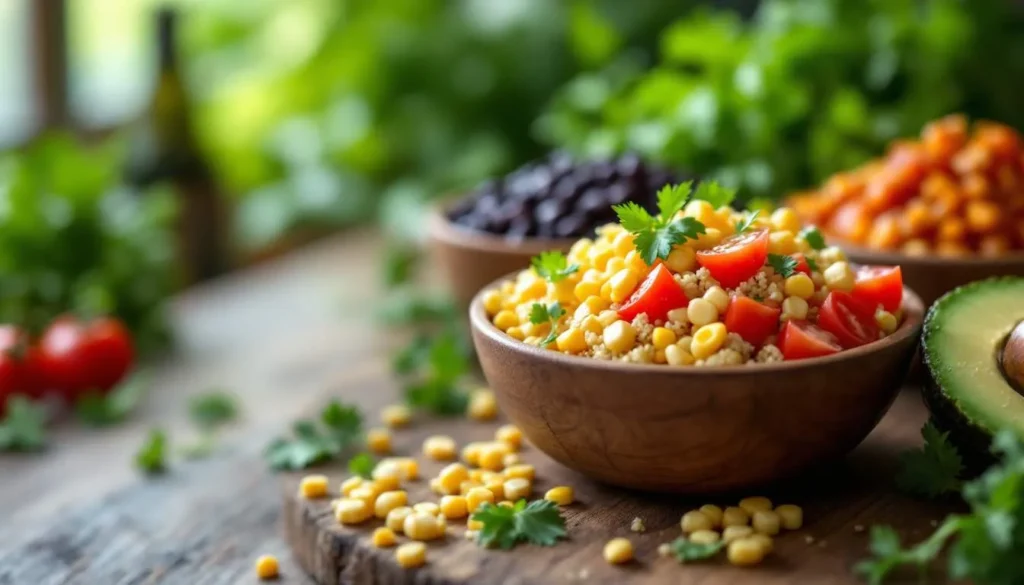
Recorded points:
967,393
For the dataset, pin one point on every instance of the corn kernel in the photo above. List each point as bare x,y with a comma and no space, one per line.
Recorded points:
511,459
755,504
745,552
435,486
516,333
662,337
679,315
452,476
591,324
677,356
426,508
474,524
571,340
492,301
482,406
732,533
267,567
886,321
707,340
764,541
786,219
700,312
421,526
313,486
618,551
383,537
411,555
350,484
396,415
713,512
614,265
705,536
682,259
694,520
396,518
477,497
410,468
623,243
717,296
505,319
795,308
378,441
608,317
510,435
517,488
386,483
709,239
839,276
492,456
622,284
561,495
782,243
733,516
352,511
467,485
471,453
506,504
439,448
599,257
523,470
619,337
367,493
765,522
586,289
389,501
487,476
454,507
799,285
791,517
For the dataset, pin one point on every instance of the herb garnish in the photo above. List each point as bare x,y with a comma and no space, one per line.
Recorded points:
784,265
538,523
654,237
553,266
934,469
310,444
540,314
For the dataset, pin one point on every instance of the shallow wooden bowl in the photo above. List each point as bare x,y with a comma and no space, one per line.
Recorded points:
694,430
470,259
933,276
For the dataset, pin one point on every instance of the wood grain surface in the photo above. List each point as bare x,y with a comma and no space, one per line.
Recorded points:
839,503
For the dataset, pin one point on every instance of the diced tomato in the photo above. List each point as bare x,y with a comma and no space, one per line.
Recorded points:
801,263
751,320
851,321
800,339
737,258
658,294
879,285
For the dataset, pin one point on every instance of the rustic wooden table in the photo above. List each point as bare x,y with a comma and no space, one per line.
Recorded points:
286,337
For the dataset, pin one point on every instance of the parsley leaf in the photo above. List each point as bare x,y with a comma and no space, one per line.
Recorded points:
539,523
888,554
813,237
24,427
553,266
934,469
361,465
812,264
715,194
100,410
540,314
654,237
784,265
436,385
151,458
213,409
747,222
685,550
310,444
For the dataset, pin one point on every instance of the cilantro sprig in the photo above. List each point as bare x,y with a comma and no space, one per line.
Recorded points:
540,314
340,428
151,458
538,523
99,410
24,427
437,370
813,237
212,409
654,236
933,470
553,266
361,465
686,551
784,265
745,224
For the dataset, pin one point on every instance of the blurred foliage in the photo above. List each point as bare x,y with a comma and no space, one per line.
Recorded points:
319,109
71,239
805,89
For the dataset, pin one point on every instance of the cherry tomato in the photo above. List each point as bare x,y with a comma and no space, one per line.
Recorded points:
879,285
801,263
851,321
658,294
78,357
751,320
737,258
800,339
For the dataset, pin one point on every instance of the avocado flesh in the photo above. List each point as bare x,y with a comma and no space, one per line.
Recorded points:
963,337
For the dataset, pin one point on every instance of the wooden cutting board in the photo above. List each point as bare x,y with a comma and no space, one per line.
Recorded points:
840,502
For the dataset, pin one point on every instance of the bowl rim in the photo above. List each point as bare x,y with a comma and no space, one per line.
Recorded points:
442,228
893,257
909,328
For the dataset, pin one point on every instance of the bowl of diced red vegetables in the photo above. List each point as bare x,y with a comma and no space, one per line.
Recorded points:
730,347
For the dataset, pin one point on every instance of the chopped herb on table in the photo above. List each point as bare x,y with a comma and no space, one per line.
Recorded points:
151,458
99,410
212,410
538,522
933,470
361,465
435,387
24,426
686,551
340,428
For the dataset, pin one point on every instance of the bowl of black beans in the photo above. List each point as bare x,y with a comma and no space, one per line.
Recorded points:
544,205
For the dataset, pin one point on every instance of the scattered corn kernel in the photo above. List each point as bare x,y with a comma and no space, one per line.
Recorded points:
378,441
766,543
492,456
733,516
351,484
799,285
708,339
701,312
313,486
439,448
713,512
352,511
421,526
384,537
765,522
435,486
704,536
396,518
482,405
886,321
511,459
496,487
471,453
510,435
367,493
454,507
389,501
523,470
467,485
451,478
694,520
427,508
664,549
745,552
618,551
517,488
267,567
411,555
562,495
386,483
756,503
396,415
791,517
474,524
732,533
677,356
477,497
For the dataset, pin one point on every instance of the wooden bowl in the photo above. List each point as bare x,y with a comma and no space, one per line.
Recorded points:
933,276
470,259
700,429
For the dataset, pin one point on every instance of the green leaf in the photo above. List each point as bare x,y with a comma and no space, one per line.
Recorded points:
671,200
933,470
151,458
538,314
634,218
361,465
399,264
784,265
715,194
685,550
813,237
343,421
539,523
212,409
812,264
340,428
888,554
747,222
24,427
655,237
98,410
499,526
594,39
553,266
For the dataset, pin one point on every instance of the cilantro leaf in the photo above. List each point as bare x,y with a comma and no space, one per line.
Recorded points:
213,409
437,396
715,194
685,550
24,427
747,222
99,410
436,386
934,469
553,266
813,237
654,237
812,264
672,199
151,458
413,356
361,465
888,555
540,314
633,218
539,523
309,445
784,265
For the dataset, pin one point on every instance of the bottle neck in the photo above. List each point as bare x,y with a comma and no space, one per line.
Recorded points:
166,42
